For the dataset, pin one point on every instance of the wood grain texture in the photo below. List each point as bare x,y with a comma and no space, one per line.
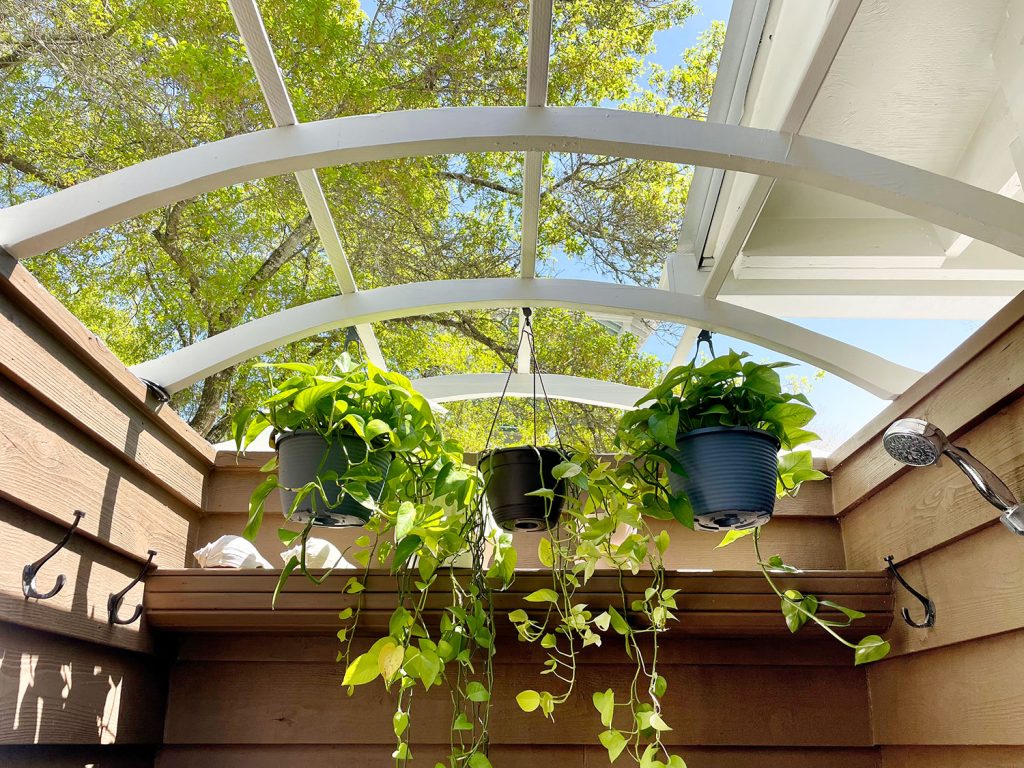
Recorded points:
976,584
503,756
799,650
952,757
381,581
274,702
972,693
996,326
76,756
931,506
805,542
59,691
990,379
23,289
40,364
809,544
93,572
728,603
52,468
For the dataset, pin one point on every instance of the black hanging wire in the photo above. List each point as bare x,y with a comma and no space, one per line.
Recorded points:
526,333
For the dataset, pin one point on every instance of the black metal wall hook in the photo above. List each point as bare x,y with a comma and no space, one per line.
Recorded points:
116,598
29,573
929,606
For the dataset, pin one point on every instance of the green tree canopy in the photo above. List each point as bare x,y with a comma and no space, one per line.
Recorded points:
90,86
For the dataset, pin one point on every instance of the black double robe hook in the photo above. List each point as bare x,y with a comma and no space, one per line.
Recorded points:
116,598
929,606
30,571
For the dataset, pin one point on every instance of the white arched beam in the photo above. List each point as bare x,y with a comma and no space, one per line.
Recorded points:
193,363
577,389
40,225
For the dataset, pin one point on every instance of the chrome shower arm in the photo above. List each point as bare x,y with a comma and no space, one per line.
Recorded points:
984,479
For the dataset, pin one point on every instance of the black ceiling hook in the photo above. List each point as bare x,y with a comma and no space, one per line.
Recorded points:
30,571
929,606
116,598
159,393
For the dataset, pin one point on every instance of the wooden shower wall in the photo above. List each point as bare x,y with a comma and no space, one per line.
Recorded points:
77,432
951,696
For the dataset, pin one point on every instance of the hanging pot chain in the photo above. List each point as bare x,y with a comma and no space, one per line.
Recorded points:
526,333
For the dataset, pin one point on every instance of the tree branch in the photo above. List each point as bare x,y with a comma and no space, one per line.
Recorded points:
286,250
30,169
478,182
167,238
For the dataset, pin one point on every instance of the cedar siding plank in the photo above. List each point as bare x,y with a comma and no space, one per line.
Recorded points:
50,467
21,288
729,603
93,572
56,690
37,362
970,693
503,756
227,702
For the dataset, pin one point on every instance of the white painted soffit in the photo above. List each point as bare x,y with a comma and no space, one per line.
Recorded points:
743,37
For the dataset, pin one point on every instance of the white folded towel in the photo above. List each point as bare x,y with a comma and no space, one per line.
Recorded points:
319,554
230,552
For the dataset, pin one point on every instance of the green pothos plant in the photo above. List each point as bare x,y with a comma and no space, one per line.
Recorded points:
429,529
611,518
732,391
425,524
605,526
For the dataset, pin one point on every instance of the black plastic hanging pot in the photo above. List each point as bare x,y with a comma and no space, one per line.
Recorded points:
303,455
730,476
511,473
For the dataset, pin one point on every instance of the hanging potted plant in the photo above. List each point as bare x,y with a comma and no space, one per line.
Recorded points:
431,514
704,447
336,433
522,491
356,445
718,428
512,478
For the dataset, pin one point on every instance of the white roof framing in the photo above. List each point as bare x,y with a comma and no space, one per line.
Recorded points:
188,365
893,220
538,58
275,92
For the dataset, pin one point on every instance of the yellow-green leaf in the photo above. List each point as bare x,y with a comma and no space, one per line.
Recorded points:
528,700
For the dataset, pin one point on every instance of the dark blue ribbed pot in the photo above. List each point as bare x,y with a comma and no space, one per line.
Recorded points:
730,476
303,455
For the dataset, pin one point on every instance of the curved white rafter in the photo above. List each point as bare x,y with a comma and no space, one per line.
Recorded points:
40,225
275,93
576,389
186,366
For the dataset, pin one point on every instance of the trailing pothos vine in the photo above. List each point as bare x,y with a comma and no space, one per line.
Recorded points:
431,529
603,526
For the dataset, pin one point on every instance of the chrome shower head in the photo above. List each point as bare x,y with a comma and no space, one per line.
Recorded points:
915,442
918,443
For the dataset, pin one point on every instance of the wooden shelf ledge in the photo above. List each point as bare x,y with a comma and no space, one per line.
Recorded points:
713,603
